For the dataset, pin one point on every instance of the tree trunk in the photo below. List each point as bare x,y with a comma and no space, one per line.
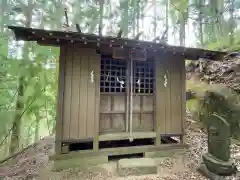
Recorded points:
167,20
200,18
221,18
182,30
231,10
213,5
16,126
155,19
134,20
101,17
138,15
2,17
125,19
37,126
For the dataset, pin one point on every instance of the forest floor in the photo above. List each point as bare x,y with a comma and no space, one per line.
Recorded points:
34,164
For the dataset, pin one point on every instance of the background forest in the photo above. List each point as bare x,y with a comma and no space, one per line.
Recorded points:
28,73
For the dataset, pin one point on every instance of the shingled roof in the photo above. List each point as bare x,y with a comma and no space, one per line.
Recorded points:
58,38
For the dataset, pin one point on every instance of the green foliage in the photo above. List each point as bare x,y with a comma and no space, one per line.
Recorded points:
223,43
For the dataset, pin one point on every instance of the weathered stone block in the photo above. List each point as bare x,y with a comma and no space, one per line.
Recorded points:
166,153
137,166
81,163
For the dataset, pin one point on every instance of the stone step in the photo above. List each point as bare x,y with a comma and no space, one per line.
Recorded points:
137,166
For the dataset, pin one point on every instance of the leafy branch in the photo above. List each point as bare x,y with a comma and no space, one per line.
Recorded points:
10,129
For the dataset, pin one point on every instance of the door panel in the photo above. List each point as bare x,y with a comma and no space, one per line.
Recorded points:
143,115
118,104
143,95
112,113
136,104
147,103
112,96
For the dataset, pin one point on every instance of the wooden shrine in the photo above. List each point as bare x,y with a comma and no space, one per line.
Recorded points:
116,95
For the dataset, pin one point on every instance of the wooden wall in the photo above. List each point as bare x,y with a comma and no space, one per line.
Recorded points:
79,103
81,95
170,100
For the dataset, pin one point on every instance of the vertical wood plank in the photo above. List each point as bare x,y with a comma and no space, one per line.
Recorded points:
91,101
75,95
79,99
176,93
60,100
97,101
127,94
155,123
67,96
160,112
83,93
183,100
168,62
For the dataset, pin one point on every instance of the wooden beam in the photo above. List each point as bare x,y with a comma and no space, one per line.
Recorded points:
119,151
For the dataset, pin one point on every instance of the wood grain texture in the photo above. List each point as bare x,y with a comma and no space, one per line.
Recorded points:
60,100
81,108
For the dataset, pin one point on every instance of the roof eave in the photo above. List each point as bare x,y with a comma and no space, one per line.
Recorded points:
57,38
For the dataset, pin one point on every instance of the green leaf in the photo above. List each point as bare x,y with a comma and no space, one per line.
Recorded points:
29,91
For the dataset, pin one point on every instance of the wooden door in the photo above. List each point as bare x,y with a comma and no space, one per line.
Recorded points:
112,95
115,108
143,95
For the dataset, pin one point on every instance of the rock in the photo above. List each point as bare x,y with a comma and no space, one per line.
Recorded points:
225,72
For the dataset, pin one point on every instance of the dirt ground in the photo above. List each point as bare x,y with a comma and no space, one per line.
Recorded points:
34,164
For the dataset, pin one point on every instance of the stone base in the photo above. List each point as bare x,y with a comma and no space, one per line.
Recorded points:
137,166
168,153
216,166
80,163
205,172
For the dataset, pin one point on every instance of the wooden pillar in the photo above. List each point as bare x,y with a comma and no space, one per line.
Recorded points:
60,101
183,80
160,97
96,66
